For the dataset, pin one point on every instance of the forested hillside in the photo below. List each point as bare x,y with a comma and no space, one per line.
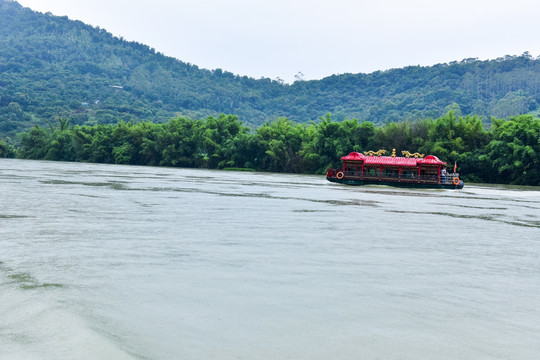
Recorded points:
54,67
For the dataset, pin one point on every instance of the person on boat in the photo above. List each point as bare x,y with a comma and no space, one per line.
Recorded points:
443,175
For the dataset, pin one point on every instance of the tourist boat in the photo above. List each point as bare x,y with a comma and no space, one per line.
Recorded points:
412,170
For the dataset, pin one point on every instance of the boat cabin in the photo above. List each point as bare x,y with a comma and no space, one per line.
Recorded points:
372,168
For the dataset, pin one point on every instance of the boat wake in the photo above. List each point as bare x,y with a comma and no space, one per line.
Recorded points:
37,324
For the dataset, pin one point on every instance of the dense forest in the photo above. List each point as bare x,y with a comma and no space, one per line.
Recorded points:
72,92
508,153
52,66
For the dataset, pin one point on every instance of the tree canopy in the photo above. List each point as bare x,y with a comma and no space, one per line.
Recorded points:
507,153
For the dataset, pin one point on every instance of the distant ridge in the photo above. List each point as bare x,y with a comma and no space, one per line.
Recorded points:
52,66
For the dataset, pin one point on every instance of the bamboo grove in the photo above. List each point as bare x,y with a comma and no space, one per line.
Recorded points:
508,153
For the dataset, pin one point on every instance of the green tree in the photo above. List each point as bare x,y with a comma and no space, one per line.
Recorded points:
215,137
280,143
326,142
515,150
61,146
34,144
6,150
178,143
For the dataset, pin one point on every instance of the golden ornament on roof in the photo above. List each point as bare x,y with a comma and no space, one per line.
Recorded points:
373,153
415,155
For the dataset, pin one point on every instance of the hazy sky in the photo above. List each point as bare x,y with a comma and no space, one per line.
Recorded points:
279,38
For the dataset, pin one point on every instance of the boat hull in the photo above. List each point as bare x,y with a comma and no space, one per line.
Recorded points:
423,185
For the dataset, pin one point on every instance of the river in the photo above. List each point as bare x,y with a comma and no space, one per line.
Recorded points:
122,262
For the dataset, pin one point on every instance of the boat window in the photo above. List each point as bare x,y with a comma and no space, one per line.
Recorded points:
409,173
390,172
372,171
353,169
429,173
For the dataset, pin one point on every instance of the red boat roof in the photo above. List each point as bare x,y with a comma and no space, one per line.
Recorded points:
389,160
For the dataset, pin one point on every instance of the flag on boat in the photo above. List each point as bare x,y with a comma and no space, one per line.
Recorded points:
455,166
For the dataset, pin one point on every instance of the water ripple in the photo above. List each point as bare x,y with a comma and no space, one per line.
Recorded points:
492,217
24,280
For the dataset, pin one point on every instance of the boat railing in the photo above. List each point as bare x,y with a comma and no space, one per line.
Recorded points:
406,177
352,173
392,176
429,178
449,178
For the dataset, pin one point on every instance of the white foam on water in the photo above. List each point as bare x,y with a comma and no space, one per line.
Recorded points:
34,325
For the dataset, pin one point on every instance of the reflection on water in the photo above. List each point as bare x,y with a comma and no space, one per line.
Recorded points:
112,262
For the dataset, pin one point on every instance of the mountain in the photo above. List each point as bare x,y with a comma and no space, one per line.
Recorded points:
52,66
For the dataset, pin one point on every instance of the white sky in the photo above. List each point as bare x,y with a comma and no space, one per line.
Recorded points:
279,38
